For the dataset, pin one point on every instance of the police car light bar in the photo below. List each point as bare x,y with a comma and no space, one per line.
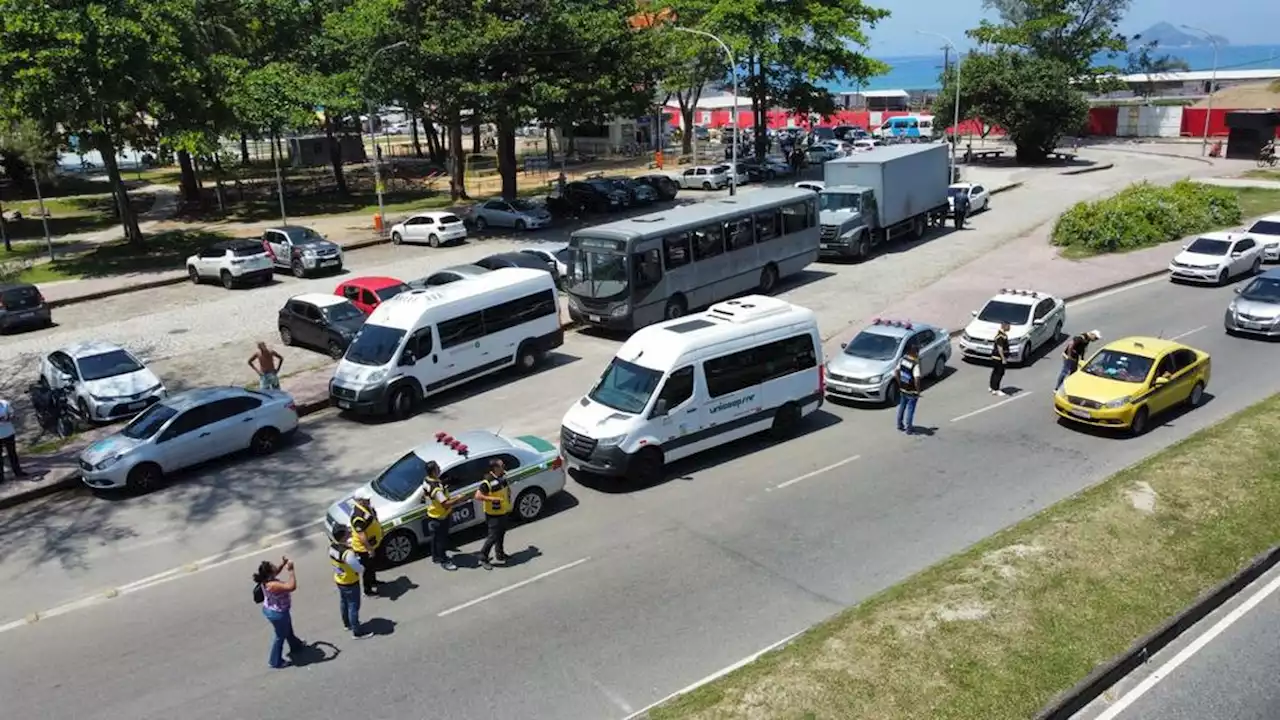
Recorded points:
462,449
1014,291
893,323
443,437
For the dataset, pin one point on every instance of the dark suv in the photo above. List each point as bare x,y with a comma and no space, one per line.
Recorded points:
319,321
22,305
666,187
581,197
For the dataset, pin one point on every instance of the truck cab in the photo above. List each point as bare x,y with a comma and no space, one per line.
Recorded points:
847,214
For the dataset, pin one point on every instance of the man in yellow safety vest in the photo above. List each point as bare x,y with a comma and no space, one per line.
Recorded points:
366,536
346,575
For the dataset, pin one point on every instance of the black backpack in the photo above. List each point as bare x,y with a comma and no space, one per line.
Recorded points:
258,594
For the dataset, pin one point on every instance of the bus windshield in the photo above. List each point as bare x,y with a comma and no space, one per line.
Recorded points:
597,274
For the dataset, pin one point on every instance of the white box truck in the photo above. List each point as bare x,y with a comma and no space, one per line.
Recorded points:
874,197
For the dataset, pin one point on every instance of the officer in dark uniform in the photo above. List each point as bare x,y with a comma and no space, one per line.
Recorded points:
908,376
999,359
495,493
961,208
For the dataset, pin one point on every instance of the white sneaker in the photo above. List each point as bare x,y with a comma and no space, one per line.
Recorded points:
1001,393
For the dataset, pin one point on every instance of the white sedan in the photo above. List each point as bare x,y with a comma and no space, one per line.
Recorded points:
979,198
105,381
187,429
1266,231
435,228
1216,257
1035,320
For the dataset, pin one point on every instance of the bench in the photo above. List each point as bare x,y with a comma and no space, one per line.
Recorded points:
980,155
1062,156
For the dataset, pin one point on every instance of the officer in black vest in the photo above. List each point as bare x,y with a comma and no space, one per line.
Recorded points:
909,386
961,207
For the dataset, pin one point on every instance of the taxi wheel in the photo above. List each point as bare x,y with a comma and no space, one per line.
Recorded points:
530,504
646,467
1139,424
1196,396
397,547
145,477
891,394
265,441
785,421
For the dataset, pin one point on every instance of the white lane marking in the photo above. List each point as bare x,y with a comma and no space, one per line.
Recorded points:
715,675
819,471
1121,289
993,406
509,588
1132,696
1189,332
265,545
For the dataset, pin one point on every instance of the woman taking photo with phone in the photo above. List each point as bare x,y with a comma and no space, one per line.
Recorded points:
276,596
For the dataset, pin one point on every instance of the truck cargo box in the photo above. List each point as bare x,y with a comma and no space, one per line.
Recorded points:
907,180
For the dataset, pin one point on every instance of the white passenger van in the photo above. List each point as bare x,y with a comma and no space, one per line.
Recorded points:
421,342
686,385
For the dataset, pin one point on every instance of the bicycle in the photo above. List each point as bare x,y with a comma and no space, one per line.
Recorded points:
1268,160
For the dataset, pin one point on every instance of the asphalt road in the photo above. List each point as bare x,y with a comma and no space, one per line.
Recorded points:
621,596
1222,669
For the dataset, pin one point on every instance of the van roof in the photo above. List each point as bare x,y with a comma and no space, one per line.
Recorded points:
695,213
405,310
662,345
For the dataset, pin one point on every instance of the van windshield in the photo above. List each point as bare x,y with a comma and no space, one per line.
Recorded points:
374,345
625,387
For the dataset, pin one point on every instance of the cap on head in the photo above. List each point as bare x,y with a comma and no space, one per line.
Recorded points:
1004,326
1095,334
362,495
340,533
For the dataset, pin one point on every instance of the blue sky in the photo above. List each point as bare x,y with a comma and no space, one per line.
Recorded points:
1242,22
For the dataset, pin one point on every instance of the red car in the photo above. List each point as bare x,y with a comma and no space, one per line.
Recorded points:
367,293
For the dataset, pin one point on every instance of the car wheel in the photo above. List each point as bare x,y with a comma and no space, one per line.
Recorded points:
520,225
83,408
481,224
265,441
891,393
940,367
530,504
768,279
676,307
228,282
1057,333
396,238
403,401
286,335
194,275
785,421
397,547
864,247
1256,267
527,357
1139,424
706,186
647,466
336,351
433,240
1196,396
144,477
298,270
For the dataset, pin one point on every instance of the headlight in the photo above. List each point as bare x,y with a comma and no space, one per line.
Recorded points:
108,462
1117,403
377,376
1061,393
309,253
875,378
611,441
621,310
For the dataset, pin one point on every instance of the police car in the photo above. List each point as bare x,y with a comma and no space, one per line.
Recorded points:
534,469
1035,320
864,370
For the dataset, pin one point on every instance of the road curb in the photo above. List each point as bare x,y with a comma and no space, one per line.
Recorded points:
1090,169
1108,148
1006,188
1106,676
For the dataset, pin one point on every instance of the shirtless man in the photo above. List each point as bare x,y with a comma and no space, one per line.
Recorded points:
266,362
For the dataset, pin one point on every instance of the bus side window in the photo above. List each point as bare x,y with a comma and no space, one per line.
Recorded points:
648,268
738,233
795,218
766,226
813,213
676,248
708,242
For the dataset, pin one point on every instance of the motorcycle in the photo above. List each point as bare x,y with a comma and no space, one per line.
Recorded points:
54,410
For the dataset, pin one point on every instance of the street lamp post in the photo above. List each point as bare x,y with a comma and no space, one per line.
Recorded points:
373,139
955,117
733,70
1213,84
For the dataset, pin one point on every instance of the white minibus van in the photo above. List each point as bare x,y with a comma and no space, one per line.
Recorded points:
690,384
421,342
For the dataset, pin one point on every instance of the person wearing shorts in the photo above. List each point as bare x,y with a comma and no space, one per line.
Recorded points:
266,362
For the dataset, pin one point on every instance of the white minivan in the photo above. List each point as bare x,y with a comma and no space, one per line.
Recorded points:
690,384
424,341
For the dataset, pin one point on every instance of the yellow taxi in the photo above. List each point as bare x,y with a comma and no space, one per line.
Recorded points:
1129,380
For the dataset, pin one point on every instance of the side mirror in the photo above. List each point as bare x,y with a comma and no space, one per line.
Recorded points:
1236,254
1184,247
973,313
844,345
660,408
1038,322
1161,381
1236,290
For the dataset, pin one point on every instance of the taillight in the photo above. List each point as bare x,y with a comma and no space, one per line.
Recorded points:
293,408
40,296
557,463
822,380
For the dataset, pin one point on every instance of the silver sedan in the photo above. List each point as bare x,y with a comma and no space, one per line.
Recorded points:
518,214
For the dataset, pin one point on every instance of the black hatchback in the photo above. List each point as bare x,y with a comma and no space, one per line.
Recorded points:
321,322
667,187
22,306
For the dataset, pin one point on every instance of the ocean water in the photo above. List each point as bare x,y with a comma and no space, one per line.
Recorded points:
921,72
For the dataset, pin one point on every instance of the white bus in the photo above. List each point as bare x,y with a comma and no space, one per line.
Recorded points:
627,274
690,384
422,342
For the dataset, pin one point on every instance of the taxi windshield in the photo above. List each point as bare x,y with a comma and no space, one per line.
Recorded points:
625,386
399,481
873,346
999,311
1122,366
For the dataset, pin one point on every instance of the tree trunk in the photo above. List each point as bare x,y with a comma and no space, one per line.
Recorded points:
546,133
457,161
335,157
128,218
413,131
4,231
435,147
507,155
759,103
475,134
279,147
244,149
189,182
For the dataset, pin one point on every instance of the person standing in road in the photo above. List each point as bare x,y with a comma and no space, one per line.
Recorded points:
909,385
9,440
495,493
961,208
346,574
366,536
267,363
1073,353
439,509
999,359
276,596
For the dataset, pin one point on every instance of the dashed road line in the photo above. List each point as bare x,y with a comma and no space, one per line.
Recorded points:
992,406
817,472
509,588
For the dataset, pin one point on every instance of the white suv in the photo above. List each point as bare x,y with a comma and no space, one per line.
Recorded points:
232,262
1035,320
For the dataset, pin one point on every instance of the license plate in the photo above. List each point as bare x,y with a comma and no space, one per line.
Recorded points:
1251,325
328,262
136,405
27,314
1081,413
824,246
594,318
463,513
344,404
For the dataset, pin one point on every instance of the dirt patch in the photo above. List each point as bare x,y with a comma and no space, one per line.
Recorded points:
1142,497
1245,96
